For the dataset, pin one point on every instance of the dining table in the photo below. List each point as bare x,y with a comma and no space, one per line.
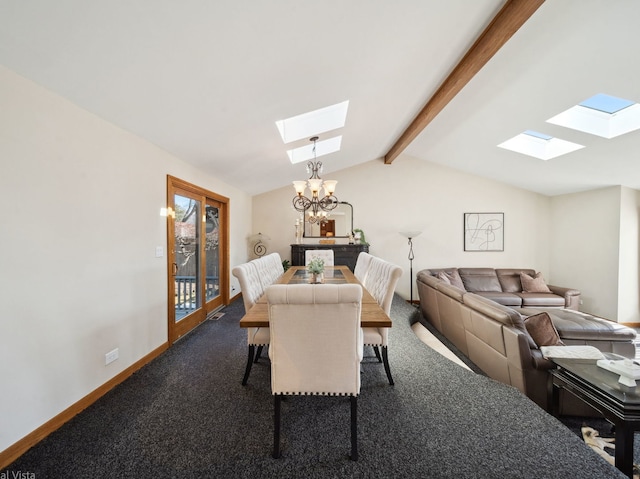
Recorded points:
372,315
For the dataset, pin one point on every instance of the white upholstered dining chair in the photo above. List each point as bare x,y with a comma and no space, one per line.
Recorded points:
362,266
252,289
325,254
316,346
381,280
269,269
277,269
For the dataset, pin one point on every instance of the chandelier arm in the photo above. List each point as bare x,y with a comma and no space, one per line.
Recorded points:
301,203
314,206
328,203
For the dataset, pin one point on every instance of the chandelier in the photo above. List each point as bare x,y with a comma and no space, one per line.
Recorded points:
316,206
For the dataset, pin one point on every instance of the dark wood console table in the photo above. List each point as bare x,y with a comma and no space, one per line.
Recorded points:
343,254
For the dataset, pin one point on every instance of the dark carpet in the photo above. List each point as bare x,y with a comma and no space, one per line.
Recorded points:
574,423
186,415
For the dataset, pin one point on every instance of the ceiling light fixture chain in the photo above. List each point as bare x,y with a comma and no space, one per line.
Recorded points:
316,206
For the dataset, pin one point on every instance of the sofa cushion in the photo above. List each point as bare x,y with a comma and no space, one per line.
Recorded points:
510,278
533,285
506,299
480,279
541,300
452,278
541,329
576,325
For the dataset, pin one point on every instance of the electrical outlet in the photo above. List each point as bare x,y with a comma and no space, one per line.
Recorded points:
111,356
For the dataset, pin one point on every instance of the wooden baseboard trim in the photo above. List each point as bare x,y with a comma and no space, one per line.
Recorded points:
631,325
237,296
16,450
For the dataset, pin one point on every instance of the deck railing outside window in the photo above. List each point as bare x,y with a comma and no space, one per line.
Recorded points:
186,299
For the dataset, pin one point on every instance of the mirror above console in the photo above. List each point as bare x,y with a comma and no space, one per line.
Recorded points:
339,223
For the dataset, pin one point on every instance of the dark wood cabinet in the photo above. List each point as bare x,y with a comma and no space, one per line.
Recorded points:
343,254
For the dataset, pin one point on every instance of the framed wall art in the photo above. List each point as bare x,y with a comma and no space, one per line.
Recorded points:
484,231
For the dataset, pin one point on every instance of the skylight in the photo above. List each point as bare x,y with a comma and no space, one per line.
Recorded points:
602,115
606,103
313,123
539,145
323,147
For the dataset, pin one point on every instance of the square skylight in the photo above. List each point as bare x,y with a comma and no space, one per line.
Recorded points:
313,123
539,145
602,115
324,147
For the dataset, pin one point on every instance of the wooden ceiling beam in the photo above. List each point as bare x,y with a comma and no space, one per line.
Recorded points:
509,19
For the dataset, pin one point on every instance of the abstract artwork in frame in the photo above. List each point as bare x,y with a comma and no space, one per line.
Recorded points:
484,231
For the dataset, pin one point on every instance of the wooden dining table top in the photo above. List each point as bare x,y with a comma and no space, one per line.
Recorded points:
372,315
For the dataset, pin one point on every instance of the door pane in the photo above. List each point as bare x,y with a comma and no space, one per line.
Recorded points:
187,254
212,252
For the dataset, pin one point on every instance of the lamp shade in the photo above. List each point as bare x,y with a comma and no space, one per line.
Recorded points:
410,234
315,185
300,186
330,186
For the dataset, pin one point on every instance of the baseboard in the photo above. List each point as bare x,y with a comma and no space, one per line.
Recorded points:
16,450
237,296
631,325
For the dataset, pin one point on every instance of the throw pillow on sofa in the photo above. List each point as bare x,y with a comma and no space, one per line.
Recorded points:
533,285
453,278
541,329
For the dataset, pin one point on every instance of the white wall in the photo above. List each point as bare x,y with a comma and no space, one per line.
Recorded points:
415,195
77,250
585,255
629,259
588,241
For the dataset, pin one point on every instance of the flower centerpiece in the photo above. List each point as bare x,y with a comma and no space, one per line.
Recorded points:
316,268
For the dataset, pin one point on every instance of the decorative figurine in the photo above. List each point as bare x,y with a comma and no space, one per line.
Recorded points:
299,226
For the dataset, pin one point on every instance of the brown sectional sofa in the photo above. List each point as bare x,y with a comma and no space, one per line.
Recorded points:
503,286
493,335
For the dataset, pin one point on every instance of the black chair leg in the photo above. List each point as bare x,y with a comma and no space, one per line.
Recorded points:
377,351
354,428
248,368
276,425
385,357
258,354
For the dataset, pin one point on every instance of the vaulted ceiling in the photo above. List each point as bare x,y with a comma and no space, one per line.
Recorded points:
207,80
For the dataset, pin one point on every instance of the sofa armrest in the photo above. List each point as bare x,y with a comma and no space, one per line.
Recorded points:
571,296
519,351
518,346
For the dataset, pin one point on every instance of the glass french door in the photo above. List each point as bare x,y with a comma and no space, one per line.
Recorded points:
197,233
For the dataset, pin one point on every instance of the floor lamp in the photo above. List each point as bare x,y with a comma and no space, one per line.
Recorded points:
410,235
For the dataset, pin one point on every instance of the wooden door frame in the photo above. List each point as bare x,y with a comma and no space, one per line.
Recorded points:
177,330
